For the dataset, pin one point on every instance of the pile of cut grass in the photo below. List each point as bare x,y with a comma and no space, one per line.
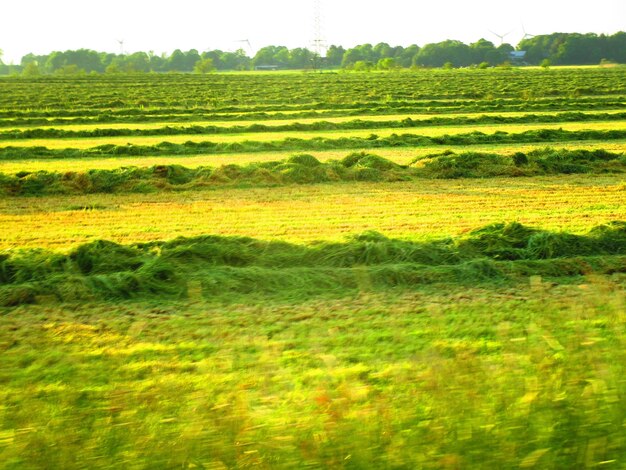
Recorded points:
318,143
56,133
306,169
546,161
233,266
16,118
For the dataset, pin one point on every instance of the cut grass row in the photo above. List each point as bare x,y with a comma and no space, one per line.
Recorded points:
381,110
399,155
306,169
226,268
343,122
194,145
413,210
312,90
328,125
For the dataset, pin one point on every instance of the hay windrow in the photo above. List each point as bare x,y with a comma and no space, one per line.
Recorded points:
307,169
228,265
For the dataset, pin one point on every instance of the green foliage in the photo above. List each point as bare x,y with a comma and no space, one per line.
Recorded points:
204,66
225,266
557,48
31,70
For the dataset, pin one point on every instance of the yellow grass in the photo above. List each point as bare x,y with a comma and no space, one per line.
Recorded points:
279,122
400,155
79,143
415,210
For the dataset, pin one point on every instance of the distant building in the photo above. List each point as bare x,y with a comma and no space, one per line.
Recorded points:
517,56
266,67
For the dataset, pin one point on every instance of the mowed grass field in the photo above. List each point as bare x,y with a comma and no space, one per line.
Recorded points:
280,136
408,210
341,300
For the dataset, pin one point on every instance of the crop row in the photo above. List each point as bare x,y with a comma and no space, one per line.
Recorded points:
219,90
108,270
317,143
265,113
54,133
306,169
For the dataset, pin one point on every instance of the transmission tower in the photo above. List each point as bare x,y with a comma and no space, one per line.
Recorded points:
319,44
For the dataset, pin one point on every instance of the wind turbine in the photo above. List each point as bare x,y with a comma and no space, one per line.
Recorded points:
501,36
249,45
121,42
526,35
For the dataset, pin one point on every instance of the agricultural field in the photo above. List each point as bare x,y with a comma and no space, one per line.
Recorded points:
417,269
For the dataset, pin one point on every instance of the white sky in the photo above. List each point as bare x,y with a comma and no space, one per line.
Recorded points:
42,26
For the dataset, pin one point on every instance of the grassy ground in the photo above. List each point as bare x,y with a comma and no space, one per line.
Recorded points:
402,156
489,361
86,143
278,122
418,209
530,376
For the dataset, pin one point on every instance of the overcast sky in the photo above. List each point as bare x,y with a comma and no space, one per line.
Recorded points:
42,26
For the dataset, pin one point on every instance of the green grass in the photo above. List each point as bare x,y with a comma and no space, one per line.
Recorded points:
266,92
530,376
271,120
269,137
306,169
229,267
285,303
399,155
311,125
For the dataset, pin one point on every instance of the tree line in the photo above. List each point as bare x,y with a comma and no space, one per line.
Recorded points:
575,49
556,48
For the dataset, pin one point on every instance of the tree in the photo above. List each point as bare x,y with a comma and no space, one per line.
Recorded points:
408,55
334,56
388,63
277,56
71,69
301,58
382,50
84,59
31,69
438,54
4,69
484,51
281,57
351,57
362,53
139,62
158,63
177,62
215,56
616,48
191,58
362,66
204,66
235,60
